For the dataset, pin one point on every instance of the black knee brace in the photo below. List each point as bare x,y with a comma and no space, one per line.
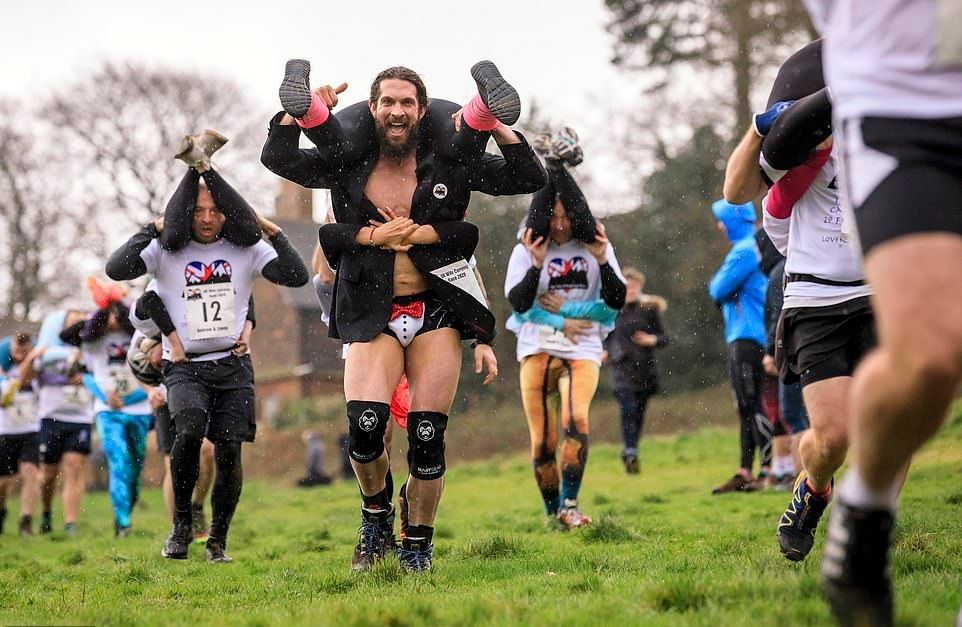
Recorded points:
190,423
426,444
367,422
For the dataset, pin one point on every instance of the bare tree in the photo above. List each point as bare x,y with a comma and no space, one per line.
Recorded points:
126,122
742,38
44,236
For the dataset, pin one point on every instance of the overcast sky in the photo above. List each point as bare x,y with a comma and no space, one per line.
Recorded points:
556,53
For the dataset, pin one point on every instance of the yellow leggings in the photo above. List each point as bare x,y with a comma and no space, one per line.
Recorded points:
548,384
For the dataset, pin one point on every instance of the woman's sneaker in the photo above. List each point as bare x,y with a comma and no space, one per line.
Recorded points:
498,95
295,89
572,517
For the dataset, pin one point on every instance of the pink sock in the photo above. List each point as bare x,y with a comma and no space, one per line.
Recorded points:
316,115
477,116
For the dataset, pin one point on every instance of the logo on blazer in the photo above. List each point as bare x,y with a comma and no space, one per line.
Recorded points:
440,191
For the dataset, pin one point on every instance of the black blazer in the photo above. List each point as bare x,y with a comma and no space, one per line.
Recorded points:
365,275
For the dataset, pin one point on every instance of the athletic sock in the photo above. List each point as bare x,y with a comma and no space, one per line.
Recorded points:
824,494
419,536
476,115
857,493
376,504
316,115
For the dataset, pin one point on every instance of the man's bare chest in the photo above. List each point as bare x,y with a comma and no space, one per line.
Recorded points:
392,185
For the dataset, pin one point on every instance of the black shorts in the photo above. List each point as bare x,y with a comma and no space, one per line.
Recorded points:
17,448
903,177
436,316
164,428
58,437
221,388
827,342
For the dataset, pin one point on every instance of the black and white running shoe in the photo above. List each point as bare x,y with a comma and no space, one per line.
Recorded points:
295,89
855,568
498,95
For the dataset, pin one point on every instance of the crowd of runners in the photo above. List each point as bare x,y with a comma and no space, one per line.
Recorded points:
833,342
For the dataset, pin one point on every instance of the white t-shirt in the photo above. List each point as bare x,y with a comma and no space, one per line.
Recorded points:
106,359
815,240
206,289
66,403
892,58
21,415
572,272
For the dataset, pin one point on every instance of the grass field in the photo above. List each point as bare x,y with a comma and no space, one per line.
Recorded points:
663,551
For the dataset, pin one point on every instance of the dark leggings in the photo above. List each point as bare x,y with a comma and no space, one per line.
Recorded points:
561,185
747,375
241,226
797,132
228,480
633,404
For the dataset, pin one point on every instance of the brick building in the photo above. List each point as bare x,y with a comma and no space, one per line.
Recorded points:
293,357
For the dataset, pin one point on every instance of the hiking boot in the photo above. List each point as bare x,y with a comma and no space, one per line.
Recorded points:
375,537
176,546
571,517
196,150
198,522
46,523
855,569
796,528
214,552
295,89
632,465
736,484
26,525
498,95
415,557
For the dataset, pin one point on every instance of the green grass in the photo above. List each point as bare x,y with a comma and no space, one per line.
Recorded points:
663,551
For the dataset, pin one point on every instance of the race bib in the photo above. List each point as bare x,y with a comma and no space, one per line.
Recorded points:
23,411
76,395
551,340
122,380
461,275
210,311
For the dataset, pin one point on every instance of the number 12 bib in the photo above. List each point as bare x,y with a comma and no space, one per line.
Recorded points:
210,311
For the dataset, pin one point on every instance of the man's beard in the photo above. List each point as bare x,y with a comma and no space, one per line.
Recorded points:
393,150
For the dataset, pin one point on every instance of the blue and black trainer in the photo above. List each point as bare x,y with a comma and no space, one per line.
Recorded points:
796,528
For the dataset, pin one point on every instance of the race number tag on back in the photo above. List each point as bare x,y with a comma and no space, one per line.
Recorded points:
122,380
461,275
23,411
551,340
76,395
210,311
